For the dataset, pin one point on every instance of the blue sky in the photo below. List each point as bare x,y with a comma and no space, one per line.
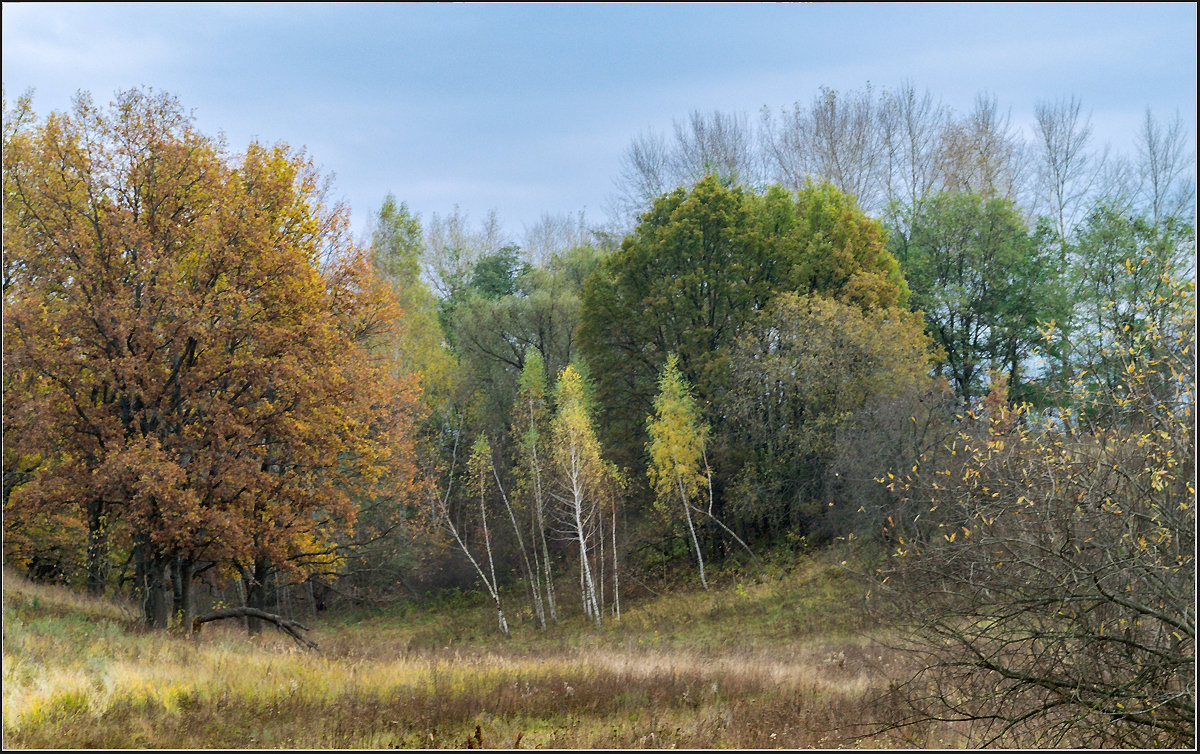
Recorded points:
526,108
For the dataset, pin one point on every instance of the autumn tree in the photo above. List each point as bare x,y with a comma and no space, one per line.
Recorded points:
510,308
579,476
806,366
1164,170
676,450
531,430
1048,568
190,328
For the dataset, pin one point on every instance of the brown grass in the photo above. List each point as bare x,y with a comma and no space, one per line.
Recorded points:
77,674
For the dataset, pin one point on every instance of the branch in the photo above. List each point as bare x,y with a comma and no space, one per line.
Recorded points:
283,624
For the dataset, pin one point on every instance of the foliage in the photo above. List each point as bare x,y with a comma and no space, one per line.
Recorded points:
701,262
531,435
521,308
676,449
580,477
417,341
1123,282
826,244
983,283
805,367
682,282
1050,566
188,336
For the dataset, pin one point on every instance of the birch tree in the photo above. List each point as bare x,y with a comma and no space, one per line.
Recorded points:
676,448
530,415
576,454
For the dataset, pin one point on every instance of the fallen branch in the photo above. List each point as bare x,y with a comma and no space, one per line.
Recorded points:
289,627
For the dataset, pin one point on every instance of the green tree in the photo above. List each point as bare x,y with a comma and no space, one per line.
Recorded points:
824,243
984,284
418,345
682,282
519,307
1122,283
701,262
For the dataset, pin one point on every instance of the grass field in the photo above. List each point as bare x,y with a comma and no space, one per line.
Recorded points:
790,663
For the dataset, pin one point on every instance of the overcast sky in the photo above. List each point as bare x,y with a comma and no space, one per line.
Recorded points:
526,109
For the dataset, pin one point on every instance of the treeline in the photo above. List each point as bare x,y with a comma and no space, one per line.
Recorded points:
870,319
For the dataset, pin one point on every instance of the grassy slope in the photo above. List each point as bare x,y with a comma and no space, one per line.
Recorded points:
787,663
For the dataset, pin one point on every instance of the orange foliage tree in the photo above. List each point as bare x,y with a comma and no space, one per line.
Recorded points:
189,341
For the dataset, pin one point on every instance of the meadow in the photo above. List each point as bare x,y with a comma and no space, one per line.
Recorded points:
793,661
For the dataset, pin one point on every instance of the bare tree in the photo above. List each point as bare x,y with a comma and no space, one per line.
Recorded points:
912,129
554,233
1165,169
645,172
982,154
837,138
716,143
452,249
1067,171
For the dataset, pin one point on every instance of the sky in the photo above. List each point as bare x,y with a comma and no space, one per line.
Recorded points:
526,109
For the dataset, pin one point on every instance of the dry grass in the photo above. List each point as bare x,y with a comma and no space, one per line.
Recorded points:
723,669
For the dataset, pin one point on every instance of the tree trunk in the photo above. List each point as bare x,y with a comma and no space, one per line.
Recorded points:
256,595
687,512
159,597
187,592
616,584
97,549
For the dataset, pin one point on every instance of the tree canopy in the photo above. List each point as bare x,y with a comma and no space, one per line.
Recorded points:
188,341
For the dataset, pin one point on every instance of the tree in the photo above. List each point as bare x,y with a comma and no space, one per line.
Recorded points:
682,282
1121,283
521,308
912,131
983,283
579,476
824,243
1048,569
983,155
715,144
531,432
802,370
697,267
397,248
1066,172
1166,187
191,332
838,138
676,449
